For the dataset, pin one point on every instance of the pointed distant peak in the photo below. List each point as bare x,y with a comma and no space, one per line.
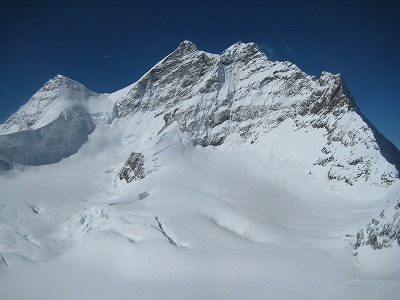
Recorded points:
328,75
62,78
240,51
187,46
60,82
333,78
341,94
240,46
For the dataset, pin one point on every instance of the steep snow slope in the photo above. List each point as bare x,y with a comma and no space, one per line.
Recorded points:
215,177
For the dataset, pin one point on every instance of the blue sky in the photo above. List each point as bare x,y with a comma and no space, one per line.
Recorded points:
107,45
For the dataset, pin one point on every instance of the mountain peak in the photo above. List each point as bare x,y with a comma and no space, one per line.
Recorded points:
63,82
61,77
47,103
187,46
241,51
214,99
240,46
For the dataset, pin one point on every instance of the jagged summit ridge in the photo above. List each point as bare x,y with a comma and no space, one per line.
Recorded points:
242,96
241,51
187,46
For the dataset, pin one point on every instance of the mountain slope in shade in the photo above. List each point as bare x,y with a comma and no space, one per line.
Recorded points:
49,144
213,176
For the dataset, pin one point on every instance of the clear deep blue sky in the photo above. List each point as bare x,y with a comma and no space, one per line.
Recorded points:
107,45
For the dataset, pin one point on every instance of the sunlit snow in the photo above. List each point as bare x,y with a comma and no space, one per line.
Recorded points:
241,220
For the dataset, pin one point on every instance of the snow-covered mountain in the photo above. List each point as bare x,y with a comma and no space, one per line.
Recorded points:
57,95
241,96
212,176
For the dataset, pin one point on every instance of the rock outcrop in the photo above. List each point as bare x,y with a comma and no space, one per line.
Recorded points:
133,168
382,232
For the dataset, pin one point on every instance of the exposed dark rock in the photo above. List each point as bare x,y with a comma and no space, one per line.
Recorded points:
169,118
133,168
382,231
143,195
5,166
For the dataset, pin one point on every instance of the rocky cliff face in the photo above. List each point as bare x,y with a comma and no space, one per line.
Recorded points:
216,97
382,232
133,168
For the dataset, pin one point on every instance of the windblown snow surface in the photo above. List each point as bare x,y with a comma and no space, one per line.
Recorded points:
239,220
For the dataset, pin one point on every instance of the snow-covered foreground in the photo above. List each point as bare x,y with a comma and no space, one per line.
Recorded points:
205,223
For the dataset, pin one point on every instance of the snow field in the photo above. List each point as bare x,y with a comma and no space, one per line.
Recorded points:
209,227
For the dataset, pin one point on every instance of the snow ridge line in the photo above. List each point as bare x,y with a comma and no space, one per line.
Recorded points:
160,226
29,239
4,260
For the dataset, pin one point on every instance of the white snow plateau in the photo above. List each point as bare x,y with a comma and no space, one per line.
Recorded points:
212,177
